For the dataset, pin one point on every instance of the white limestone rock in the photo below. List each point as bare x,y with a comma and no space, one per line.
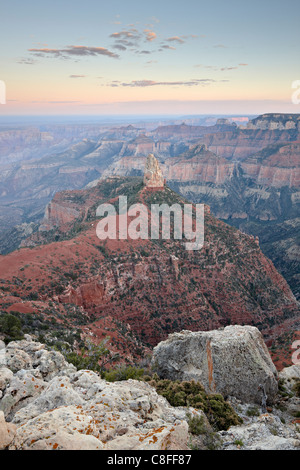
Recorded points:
233,361
266,433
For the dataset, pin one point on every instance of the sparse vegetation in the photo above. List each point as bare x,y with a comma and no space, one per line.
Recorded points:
196,424
253,411
238,443
190,393
296,387
10,327
123,373
92,357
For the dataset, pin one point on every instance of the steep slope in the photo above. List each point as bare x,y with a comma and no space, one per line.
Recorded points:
138,291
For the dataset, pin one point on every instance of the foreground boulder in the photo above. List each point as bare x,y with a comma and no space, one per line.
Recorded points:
233,361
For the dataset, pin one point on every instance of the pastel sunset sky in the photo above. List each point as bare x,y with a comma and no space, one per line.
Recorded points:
149,57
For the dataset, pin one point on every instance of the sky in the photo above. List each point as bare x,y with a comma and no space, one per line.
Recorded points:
95,57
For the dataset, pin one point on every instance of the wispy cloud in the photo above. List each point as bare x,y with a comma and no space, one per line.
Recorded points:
27,61
224,69
177,39
133,39
120,47
77,76
166,46
215,68
130,34
151,83
74,51
126,38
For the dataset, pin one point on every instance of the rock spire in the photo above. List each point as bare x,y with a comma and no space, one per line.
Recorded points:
153,177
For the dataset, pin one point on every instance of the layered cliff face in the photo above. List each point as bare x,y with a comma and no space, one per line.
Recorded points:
147,287
275,121
242,143
198,165
277,166
184,132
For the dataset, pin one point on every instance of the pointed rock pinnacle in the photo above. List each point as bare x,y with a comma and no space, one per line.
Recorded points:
153,177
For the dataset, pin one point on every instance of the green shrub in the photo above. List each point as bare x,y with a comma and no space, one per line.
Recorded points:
253,411
238,442
196,425
190,393
296,387
92,357
11,326
123,373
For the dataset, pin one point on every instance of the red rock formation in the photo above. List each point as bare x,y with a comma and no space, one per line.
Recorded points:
58,214
155,288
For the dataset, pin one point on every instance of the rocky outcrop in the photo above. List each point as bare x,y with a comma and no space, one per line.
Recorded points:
7,432
275,122
50,405
153,177
46,404
233,361
290,377
57,215
267,432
